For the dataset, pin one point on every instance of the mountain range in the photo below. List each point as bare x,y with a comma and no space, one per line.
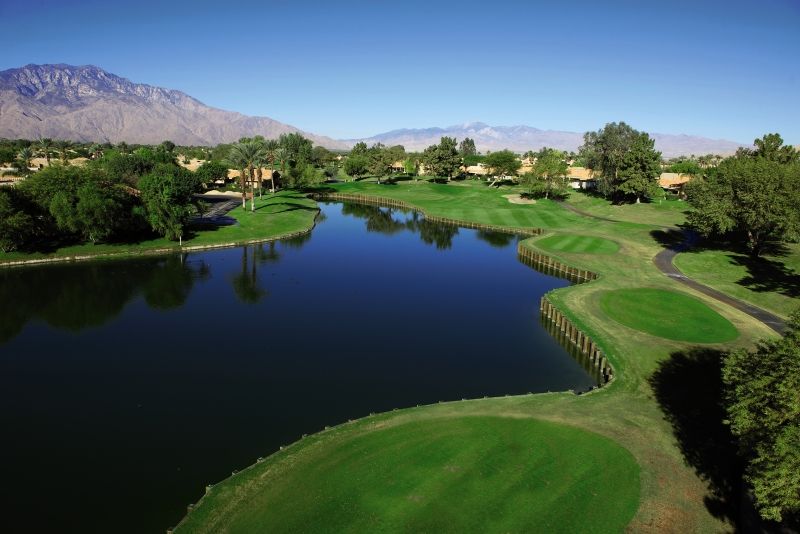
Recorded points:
523,138
87,103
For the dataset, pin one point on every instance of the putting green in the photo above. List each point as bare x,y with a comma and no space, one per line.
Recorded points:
581,244
667,314
459,474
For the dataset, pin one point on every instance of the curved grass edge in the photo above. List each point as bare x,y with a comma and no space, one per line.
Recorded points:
161,251
376,421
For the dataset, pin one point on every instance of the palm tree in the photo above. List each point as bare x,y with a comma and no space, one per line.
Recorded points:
246,156
24,158
271,148
45,146
63,146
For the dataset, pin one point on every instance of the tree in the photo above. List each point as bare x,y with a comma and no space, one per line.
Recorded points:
771,147
63,146
246,155
442,159
380,160
548,175
18,223
639,169
24,157
211,171
356,166
359,149
271,148
467,147
45,147
763,409
502,163
750,196
603,152
167,194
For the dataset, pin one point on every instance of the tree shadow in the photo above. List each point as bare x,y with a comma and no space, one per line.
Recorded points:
673,239
765,275
688,387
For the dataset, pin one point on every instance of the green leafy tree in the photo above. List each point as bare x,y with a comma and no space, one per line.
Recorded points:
686,166
167,194
271,147
750,196
211,171
467,147
18,220
639,169
771,147
442,159
380,160
356,166
549,173
763,408
502,163
359,149
603,151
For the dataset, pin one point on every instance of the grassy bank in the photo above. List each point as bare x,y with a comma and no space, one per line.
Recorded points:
663,407
771,282
283,213
448,474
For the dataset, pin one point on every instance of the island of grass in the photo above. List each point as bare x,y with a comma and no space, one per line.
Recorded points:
667,314
282,214
577,244
417,473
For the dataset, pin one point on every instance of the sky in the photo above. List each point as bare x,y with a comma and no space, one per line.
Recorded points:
348,69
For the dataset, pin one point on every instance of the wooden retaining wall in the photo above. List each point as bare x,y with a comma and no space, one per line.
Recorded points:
547,265
568,333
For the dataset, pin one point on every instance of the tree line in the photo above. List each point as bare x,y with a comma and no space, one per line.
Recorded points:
127,194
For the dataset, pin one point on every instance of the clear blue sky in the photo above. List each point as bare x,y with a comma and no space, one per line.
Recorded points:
725,69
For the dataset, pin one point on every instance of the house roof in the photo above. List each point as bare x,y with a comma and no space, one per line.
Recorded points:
673,179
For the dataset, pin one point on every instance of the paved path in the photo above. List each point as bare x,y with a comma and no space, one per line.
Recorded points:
663,261
217,213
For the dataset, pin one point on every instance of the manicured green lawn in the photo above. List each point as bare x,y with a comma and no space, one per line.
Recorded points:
657,212
770,282
667,314
636,411
464,474
469,201
275,215
580,244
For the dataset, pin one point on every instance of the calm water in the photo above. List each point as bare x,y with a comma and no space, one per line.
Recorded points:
127,386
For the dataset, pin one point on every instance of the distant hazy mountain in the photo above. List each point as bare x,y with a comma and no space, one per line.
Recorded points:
89,104
523,138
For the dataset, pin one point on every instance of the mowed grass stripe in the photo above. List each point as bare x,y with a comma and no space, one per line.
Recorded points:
459,474
578,244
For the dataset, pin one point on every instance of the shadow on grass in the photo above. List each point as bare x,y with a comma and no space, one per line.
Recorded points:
290,206
672,239
688,387
765,275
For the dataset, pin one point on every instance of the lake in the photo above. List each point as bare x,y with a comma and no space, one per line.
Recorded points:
127,386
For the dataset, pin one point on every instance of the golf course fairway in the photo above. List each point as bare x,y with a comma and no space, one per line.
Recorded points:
431,474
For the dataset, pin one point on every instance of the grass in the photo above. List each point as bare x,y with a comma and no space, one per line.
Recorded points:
462,474
275,215
579,244
652,409
771,282
658,212
667,314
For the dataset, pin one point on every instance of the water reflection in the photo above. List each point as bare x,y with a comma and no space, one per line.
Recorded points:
77,296
389,221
